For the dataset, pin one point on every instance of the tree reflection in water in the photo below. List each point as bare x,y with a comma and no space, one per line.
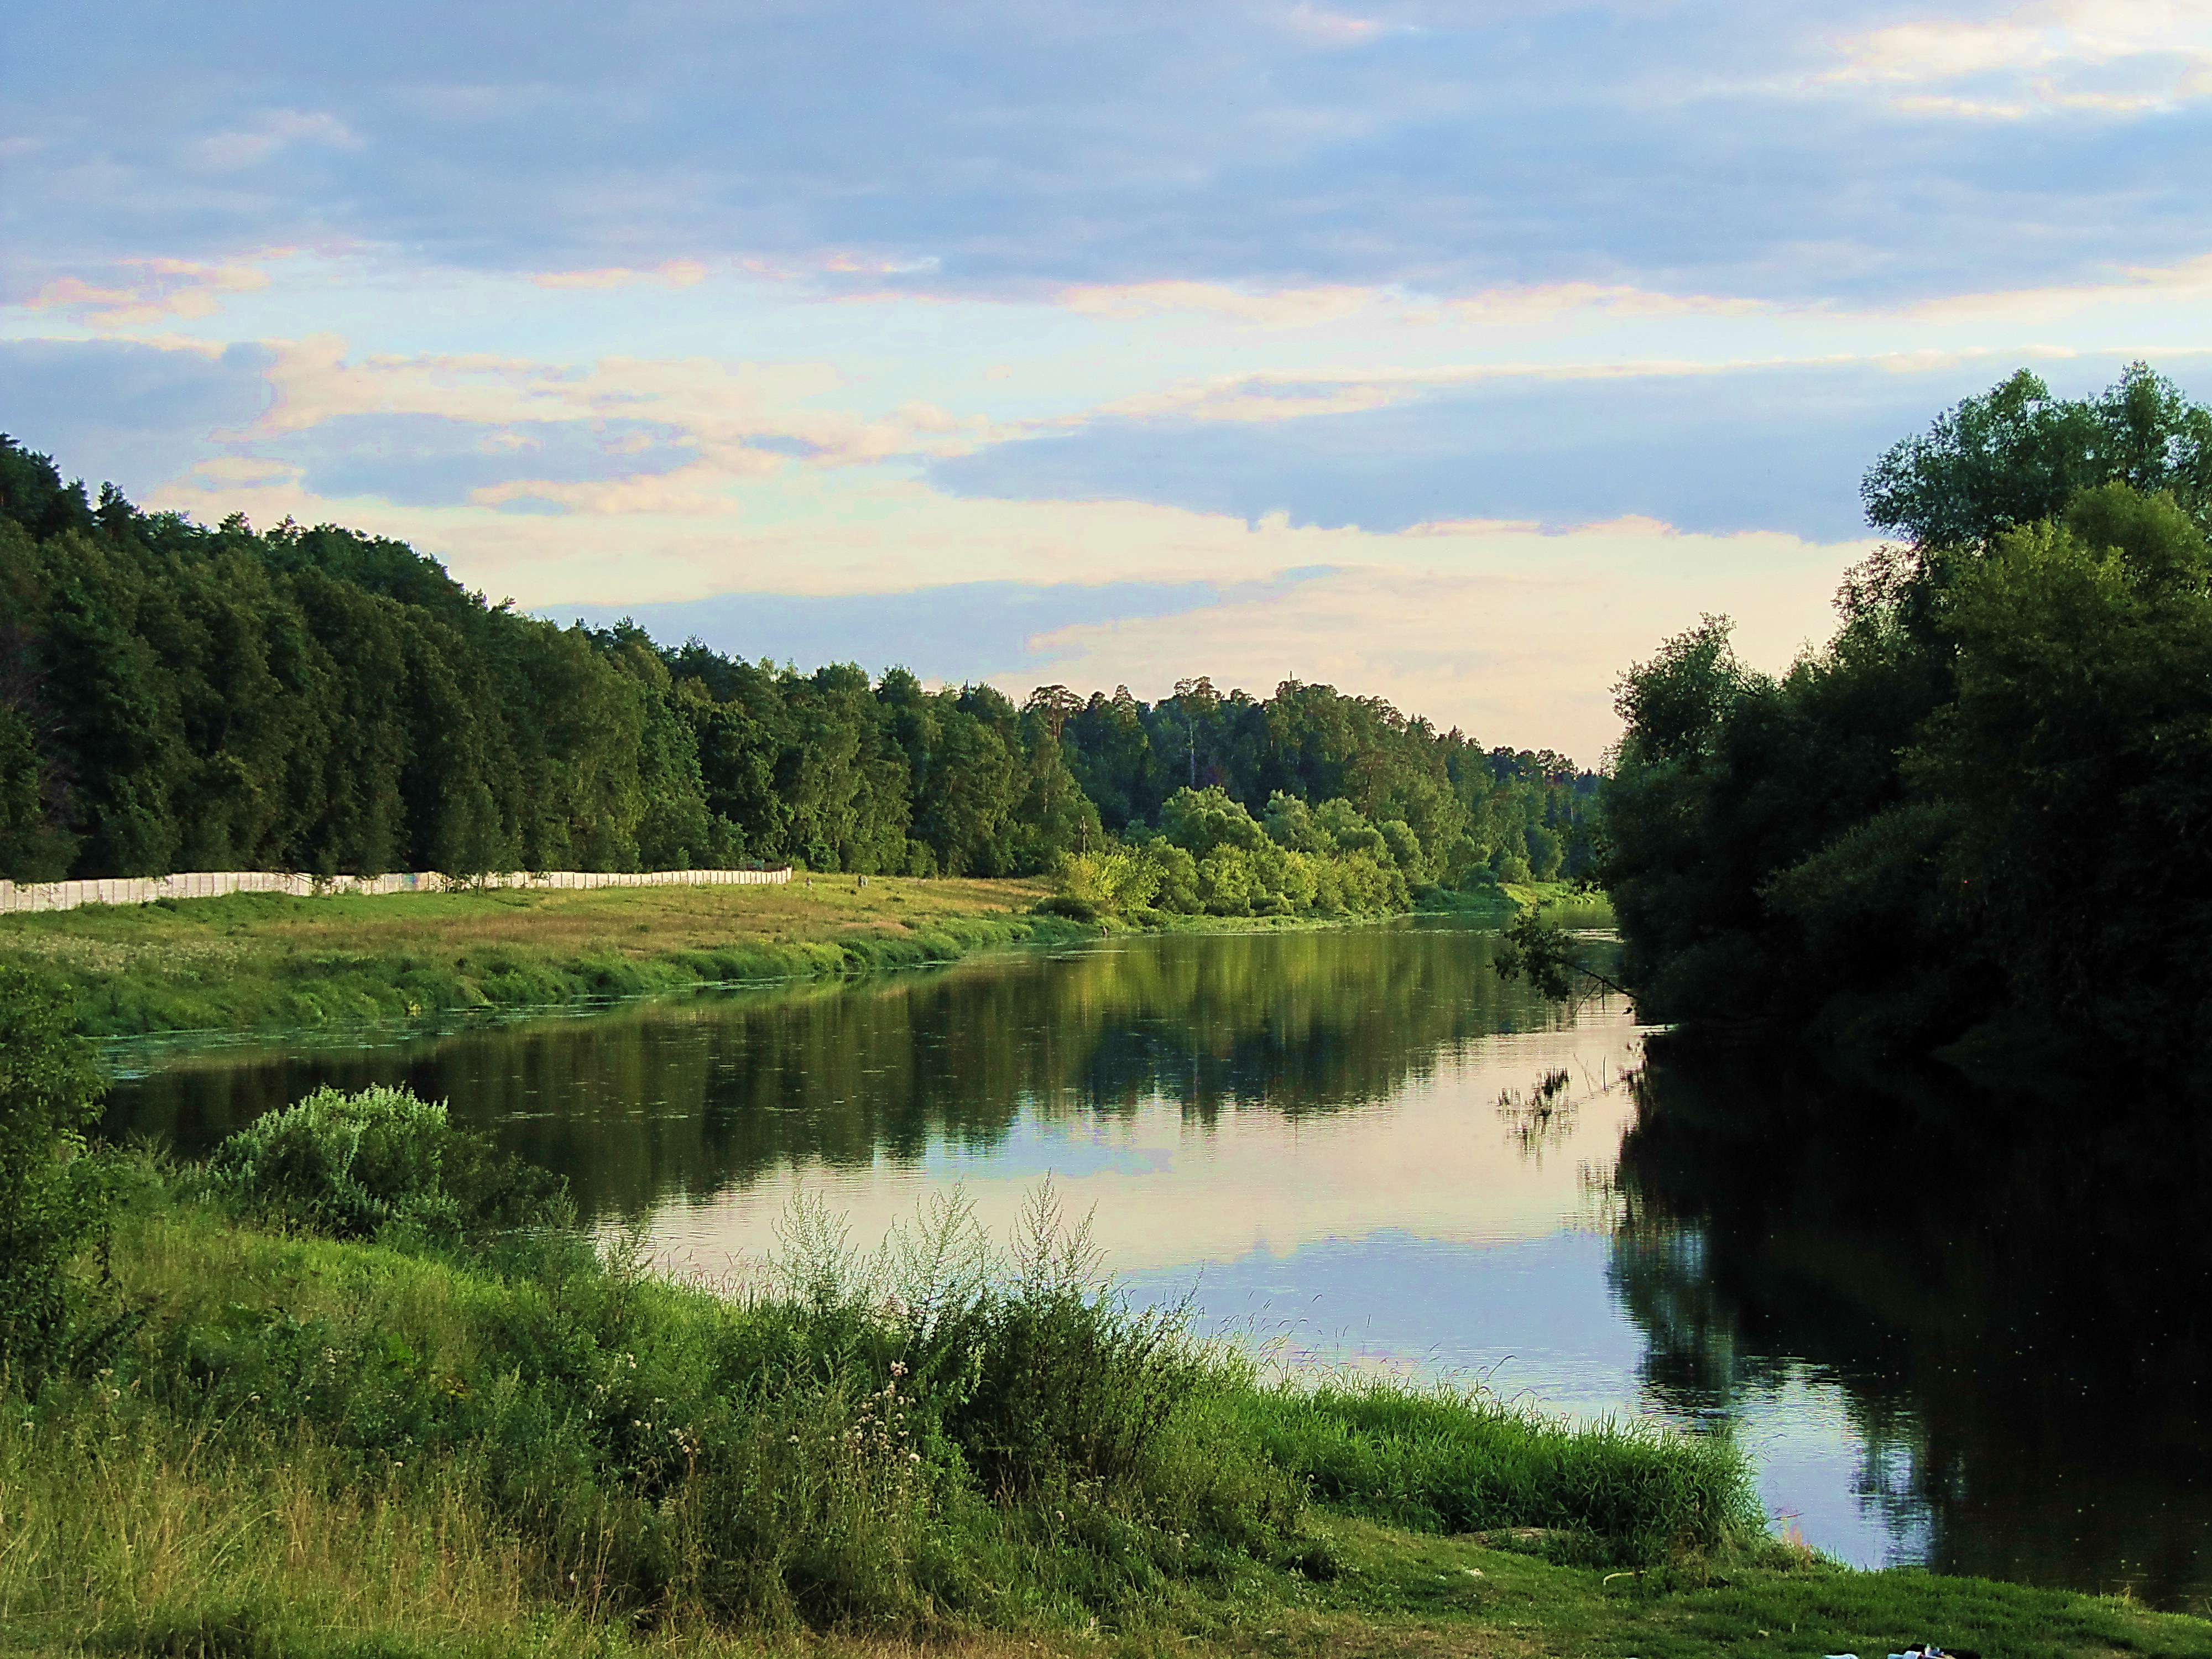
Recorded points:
2009,1291
699,1095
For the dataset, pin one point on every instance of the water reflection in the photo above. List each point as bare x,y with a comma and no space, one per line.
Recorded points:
1952,1328
2009,1296
704,1096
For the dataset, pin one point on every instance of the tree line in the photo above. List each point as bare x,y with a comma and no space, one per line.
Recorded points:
1981,810
175,697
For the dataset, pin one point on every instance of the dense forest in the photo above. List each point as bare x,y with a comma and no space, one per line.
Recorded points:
179,698
1983,808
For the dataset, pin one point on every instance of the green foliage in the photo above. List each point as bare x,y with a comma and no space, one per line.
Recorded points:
1283,758
1213,859
1983,797
350,1165
52,1201
1548,955
173,698
2019,455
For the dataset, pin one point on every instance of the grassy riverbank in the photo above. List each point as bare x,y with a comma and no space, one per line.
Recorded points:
306,1448
264,960
321,1396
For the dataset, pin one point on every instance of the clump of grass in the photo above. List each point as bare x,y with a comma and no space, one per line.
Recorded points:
942,1432
1441,1459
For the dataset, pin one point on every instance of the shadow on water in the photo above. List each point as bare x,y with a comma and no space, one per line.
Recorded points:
2010,1293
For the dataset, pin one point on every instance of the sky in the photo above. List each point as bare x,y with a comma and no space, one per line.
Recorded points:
1453,353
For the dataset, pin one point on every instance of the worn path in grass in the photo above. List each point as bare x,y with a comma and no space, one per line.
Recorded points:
265,961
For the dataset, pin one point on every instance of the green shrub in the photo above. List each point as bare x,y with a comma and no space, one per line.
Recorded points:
1073,1385
1070,905
52,1200
351,1165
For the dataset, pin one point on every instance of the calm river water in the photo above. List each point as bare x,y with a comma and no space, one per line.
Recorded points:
1942,1337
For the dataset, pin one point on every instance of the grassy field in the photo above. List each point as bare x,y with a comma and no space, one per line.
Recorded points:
267,961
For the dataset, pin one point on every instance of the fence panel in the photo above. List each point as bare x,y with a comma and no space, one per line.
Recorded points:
214,884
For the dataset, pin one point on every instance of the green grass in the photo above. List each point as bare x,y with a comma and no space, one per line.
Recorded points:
270,961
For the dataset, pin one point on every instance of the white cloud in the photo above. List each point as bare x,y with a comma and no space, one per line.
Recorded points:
1322,27
275,131
153,290
721,408
675,273
2120,56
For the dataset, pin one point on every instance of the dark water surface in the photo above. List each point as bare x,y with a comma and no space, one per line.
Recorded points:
1950,1330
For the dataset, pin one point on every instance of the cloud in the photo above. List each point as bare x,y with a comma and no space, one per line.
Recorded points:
1719,450
2130,285
676,273
1746,151
128,410
421,459
275,131
153,290
955,634
1322,27
2117,57
731,412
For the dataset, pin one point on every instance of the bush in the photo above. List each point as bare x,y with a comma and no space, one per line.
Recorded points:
351,1165
1068,905
1073,1385
52,1201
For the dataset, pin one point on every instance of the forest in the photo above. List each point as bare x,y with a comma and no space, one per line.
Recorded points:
178,697
1975,821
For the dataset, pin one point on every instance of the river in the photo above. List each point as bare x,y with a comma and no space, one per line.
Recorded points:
1949,1331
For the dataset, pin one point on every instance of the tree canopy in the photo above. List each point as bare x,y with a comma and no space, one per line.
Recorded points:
179,698
1985,802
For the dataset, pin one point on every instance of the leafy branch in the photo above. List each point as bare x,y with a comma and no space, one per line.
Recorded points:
1548,956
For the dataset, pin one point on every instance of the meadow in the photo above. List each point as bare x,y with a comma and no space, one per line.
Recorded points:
267,961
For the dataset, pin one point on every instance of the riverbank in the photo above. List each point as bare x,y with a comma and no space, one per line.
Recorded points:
272,962
253,962
336,1414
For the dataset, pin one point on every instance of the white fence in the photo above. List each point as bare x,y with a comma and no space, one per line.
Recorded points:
213,884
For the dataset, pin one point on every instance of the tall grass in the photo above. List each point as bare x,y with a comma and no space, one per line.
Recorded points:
343,1397
1450,1461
